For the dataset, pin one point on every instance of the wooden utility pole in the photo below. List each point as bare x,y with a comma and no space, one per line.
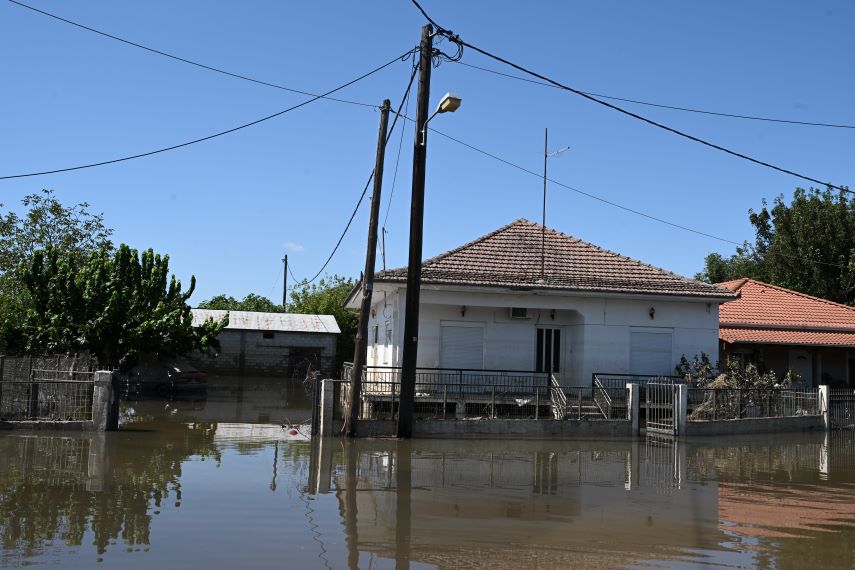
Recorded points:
285,281
414,269
360,349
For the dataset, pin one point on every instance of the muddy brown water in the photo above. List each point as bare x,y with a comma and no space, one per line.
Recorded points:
212,481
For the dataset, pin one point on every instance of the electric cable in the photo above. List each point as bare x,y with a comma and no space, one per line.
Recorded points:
663,106
615,204
456,38
185,60
215,135
367,183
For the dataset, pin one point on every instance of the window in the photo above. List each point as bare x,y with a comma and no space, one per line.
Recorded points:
267,335
461,345
547,355
650,353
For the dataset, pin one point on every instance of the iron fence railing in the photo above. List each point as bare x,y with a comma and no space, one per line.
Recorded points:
621,380
54,388
457,380
489,401
841,408
741,403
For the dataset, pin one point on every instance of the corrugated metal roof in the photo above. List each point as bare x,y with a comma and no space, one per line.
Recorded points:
283,322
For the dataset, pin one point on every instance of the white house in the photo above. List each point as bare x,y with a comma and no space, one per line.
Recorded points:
488,305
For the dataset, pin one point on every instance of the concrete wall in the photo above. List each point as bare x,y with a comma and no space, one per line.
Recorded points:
500,429
754,425
595,330
250,353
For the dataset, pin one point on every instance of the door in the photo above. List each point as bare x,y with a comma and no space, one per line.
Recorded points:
547,351
650,353
802,364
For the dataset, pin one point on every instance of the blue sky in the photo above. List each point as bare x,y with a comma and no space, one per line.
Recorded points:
227,209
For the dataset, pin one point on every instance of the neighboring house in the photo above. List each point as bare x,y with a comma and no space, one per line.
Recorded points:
486,305
779,329
270,344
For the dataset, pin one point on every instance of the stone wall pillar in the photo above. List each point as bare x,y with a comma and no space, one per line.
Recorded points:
824,407
105,401
633,406
327,407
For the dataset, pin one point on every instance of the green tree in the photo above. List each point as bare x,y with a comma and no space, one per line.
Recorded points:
251,302
117,305
48,223
72,230
807,245
326,297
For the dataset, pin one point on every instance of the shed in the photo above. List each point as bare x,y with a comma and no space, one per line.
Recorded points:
270,344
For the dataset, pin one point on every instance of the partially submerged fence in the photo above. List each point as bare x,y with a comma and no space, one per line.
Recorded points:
744,403
433,400
841,408
55,389
442,393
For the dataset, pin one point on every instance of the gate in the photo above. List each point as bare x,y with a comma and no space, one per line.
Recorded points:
661,408
841,408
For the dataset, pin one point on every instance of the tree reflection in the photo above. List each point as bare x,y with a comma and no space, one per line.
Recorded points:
58,488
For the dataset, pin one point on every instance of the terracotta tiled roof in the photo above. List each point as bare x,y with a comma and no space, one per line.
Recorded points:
511,257
765,313
777,336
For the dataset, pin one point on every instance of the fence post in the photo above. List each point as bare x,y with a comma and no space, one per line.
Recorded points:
824,407
537,402
632,406
444,399
326,407
682,403
105,401
492,402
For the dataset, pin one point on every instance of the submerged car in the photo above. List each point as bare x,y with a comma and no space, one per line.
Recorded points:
164,377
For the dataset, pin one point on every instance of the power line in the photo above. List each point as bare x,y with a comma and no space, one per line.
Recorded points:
185,60
612,203
367,182
397,160
663,106
456,39
215,135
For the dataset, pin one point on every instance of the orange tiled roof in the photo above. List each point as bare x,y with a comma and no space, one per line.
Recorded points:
510,257
764,313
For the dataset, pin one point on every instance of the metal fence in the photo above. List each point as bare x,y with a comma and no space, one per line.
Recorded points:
739,403
841,408
660,409
47,388
434,400
377,378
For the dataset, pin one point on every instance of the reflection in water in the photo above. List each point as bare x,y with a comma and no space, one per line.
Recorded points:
195,485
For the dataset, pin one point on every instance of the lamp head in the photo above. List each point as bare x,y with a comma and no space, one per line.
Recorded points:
449,103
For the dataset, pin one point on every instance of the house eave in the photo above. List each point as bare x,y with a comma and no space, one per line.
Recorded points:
566,292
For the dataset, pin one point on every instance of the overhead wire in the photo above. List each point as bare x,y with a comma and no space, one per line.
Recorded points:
185,60
215,135
611,202
397,114
664,106
456,39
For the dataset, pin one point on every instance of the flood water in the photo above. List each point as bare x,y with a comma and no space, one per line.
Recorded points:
213,482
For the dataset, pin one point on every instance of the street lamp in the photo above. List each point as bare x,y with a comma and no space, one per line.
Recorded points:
449,103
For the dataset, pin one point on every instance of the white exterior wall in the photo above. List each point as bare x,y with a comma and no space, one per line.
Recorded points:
595,330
